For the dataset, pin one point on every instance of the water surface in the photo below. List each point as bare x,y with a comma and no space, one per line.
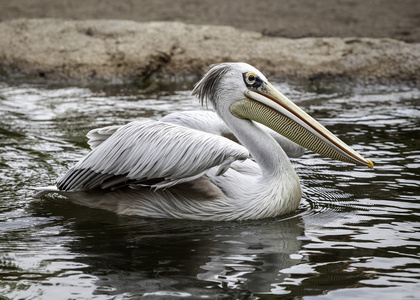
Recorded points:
355,234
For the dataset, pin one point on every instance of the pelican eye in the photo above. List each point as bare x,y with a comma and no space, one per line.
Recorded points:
252,80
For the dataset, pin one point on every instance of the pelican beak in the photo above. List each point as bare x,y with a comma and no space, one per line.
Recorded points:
266,105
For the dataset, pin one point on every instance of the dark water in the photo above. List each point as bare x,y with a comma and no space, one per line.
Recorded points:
355,235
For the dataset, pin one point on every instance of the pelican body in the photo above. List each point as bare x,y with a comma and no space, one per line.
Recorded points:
230,166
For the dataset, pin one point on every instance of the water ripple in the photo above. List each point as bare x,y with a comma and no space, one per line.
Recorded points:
354,234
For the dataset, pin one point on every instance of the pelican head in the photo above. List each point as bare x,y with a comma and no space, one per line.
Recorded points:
245,93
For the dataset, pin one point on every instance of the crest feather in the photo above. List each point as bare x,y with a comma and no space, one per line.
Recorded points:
207,88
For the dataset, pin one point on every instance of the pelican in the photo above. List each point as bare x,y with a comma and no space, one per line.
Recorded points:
182,168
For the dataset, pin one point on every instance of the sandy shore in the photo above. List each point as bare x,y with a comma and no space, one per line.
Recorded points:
377,41
281,18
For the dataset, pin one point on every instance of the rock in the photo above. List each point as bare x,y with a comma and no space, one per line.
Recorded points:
127,51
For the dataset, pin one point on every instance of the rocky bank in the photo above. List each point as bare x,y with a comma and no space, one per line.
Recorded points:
121,51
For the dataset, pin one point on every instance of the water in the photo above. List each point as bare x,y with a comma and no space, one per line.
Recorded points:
355,234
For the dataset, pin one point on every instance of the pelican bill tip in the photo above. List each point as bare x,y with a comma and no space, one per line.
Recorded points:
370,163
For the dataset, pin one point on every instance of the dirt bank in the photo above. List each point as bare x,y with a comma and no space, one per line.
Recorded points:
281,18
127,51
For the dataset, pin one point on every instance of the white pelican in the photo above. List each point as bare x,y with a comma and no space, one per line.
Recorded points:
164,170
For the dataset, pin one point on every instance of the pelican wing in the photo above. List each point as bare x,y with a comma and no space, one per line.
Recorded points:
99,135
203,120
149,152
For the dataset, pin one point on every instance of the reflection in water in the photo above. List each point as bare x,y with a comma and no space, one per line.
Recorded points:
355,233
137,256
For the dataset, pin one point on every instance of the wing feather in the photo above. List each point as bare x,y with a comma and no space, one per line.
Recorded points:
145,150
98,135
203,120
